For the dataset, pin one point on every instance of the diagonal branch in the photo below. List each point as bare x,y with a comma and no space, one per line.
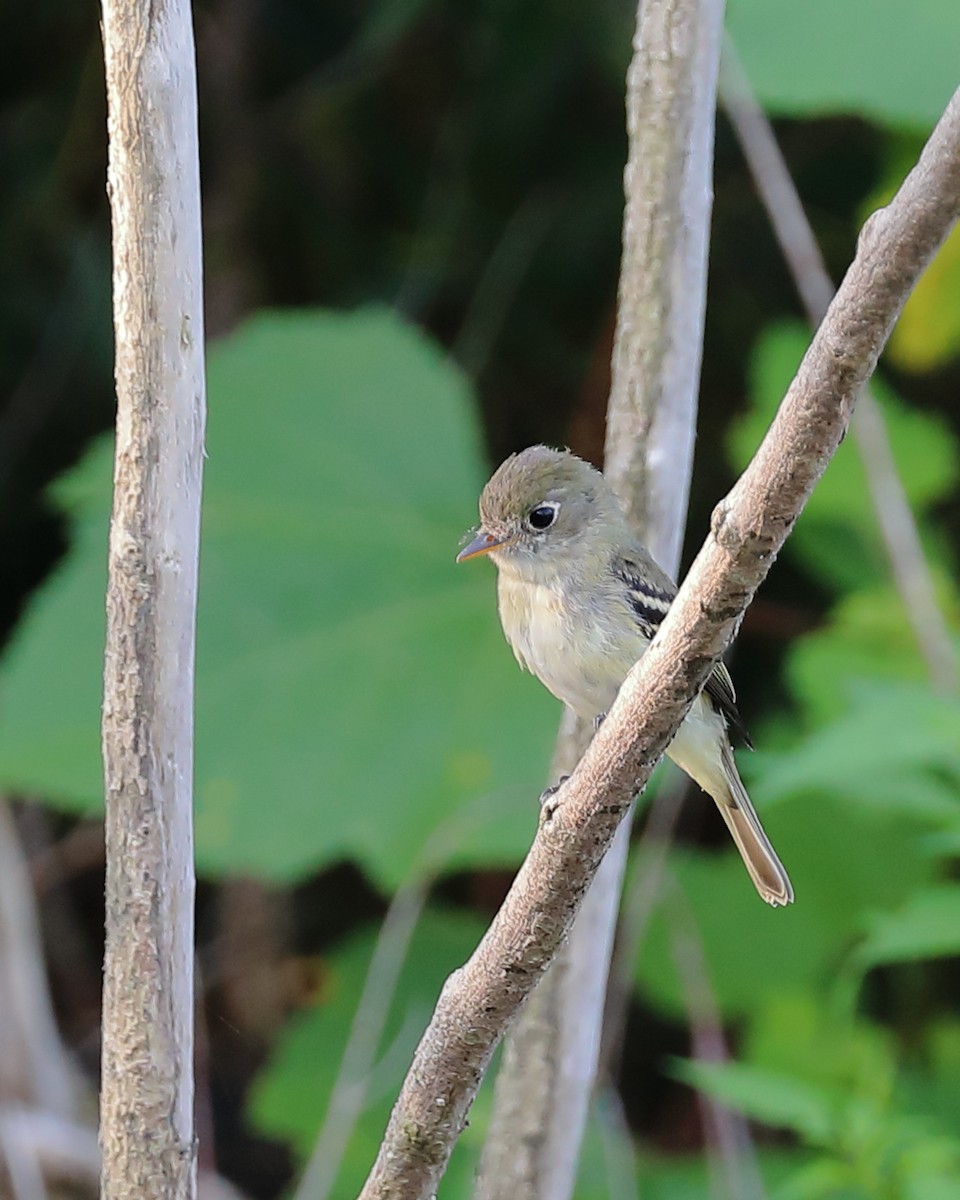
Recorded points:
748,528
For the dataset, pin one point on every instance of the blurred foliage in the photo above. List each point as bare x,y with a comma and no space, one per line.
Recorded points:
290,1099
461,165
860,67
865,807
928,332
837,535
330,602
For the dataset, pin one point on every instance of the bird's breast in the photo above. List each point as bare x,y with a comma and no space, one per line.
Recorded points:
579,653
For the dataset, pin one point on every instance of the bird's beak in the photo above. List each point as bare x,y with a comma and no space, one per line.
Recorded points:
483,543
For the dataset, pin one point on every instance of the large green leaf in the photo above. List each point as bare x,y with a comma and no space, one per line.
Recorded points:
891,61
353,687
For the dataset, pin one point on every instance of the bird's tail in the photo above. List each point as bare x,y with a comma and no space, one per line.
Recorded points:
759,857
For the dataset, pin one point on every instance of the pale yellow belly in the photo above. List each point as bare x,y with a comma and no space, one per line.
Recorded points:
573,656
583,664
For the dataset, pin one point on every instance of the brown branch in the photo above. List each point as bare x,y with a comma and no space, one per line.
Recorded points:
550,1060
897,525
146,1109
748,529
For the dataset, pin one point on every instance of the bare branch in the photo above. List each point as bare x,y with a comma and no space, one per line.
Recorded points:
651,418
153,179
349,1091
549,1065
800,249
748,529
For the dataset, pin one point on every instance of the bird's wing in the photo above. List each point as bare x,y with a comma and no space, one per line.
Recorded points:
719,687
650,592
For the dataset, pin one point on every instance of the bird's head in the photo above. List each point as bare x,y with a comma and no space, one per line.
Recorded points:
541,508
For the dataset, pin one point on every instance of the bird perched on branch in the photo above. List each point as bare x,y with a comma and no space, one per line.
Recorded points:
580,599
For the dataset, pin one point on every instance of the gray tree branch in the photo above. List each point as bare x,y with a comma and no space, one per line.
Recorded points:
550,1059
748,528
146,1109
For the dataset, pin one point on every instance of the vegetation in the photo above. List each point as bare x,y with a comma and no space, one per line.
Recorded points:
444,181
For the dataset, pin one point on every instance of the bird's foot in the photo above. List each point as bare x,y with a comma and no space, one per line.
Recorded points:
548,805
598,720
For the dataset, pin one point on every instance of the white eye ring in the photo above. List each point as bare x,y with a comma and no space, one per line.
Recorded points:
543,516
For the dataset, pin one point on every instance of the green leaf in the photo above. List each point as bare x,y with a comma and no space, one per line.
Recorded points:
866,637
823,1179
778,1100
894,749
892,62
353,687
930,1080
926,926
753,952
796,1034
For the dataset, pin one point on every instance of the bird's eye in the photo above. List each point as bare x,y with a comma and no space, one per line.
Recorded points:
542,517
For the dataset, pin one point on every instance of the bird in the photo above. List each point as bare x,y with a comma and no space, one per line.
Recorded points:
580,598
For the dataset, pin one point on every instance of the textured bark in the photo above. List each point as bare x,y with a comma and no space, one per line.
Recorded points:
748,529
550,1058
146,1110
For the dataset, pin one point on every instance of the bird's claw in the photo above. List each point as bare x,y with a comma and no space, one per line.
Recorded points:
598,720
548,805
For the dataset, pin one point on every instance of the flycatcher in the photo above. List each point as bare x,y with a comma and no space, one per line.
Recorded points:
580,599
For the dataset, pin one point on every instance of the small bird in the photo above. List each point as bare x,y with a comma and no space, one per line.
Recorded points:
580,600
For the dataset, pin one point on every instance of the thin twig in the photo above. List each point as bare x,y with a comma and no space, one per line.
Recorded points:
621,1158
351,1086
348,1095
726,1129
34,1067
795,235
747,531
504,272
